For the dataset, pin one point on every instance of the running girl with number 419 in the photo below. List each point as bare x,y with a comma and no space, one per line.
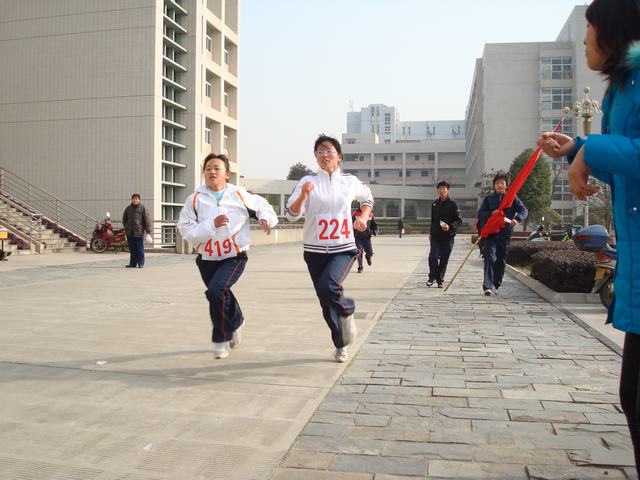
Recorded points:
215,219
324,198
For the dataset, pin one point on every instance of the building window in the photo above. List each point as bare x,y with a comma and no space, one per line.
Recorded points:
377,173
387,119
362,158
424,173
226,99
556,98
207,88
392,158
208,43
386,140
548,124
408,173
556,68
386,158
207,136
226,56
351,141
387,129
431,157
416,158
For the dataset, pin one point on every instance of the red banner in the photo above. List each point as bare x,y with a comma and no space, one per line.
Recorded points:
496,220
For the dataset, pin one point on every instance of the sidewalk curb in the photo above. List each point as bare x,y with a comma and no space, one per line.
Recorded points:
548,294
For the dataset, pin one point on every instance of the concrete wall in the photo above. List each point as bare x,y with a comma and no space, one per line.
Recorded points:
77,98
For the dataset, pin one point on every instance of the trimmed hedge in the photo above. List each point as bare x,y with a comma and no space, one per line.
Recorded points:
558,265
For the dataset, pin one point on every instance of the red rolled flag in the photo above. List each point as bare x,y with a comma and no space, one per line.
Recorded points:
496,220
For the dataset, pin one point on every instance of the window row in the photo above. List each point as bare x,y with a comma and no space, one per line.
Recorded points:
556,68
556,98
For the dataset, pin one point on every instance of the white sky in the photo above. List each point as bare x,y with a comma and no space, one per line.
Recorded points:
303,61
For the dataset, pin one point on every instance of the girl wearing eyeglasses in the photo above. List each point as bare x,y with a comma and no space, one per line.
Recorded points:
324,199
215,218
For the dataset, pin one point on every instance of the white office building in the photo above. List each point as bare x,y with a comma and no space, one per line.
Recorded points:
101,99
519,90
382,150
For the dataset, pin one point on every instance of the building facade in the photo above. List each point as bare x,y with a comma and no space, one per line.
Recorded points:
382,150
99,100
519,90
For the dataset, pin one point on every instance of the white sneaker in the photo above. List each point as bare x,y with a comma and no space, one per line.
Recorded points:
236,338
221,349
341,355
349,329
488,292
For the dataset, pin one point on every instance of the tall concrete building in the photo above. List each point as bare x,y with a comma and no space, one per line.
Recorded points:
381,149
100,99
519,90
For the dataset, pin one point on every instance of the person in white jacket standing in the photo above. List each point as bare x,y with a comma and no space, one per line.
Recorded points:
324,198
215,219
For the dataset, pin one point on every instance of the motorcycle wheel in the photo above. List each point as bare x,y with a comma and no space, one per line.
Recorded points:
606,293
98,245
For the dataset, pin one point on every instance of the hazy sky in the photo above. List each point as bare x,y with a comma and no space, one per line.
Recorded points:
303,61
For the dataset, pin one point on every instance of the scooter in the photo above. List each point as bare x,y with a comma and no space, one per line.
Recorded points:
105,237
539,235
595,238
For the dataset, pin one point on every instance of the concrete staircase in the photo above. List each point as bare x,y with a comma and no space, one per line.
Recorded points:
20,224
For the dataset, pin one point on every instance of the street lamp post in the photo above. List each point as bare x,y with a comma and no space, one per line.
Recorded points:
586,108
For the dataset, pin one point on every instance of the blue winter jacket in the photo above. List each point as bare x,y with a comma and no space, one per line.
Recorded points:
614,158
516,211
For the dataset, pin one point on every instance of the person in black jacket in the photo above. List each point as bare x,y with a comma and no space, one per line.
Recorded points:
445,221
363,239
496,246
137,226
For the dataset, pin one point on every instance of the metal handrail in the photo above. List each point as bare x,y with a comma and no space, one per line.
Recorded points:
30,228
48,205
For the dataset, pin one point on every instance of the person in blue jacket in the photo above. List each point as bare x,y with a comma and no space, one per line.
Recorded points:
496,246
612,47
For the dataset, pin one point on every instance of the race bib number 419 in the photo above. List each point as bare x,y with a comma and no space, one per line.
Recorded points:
332,228
219,250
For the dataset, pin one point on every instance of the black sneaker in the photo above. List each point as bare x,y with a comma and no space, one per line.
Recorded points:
368,259
360,270
439,285
429,283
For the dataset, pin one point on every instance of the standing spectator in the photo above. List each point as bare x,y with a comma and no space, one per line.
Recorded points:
496,245
400,227
324,199
137,227
445,221
363,239
612,48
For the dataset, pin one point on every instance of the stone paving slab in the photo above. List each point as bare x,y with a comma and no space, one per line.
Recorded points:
460,385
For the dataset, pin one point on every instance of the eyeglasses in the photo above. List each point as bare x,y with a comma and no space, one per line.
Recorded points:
325,152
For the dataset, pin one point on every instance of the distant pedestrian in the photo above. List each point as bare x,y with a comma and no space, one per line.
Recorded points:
363,239
612,48
400,227
324,198
137,226
215,219
445,221
496,246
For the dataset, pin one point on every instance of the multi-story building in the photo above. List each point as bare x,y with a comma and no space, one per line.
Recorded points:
99,100
381,149
519,90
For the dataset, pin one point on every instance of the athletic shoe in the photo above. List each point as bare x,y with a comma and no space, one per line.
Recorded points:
360,270
487,292
236,338
439,285
340,355
429,283
495,291
221,349
349,329
368,259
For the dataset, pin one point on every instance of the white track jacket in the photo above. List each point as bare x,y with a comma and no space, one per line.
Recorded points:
327,210
196,221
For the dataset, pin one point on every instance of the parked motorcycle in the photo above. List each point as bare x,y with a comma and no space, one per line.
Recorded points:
539,235
105,237
595,238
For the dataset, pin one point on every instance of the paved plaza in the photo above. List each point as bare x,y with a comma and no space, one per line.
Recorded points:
108,373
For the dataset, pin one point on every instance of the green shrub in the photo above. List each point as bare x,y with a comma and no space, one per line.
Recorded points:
521,252
564,270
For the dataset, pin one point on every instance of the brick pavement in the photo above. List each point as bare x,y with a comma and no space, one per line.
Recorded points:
460,385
